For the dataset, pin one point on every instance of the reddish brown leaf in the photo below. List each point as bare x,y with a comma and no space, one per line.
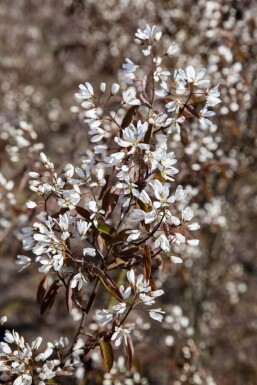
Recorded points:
69,293
83,212
152,283
147,262
192,110
184,136
129,351
107,354
108,283
110,200
148,134
41,290
50,296
128,116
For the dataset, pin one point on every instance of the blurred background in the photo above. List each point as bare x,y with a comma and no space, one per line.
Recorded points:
47,48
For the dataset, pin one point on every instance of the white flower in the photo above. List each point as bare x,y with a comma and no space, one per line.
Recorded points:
115,158
146,33
162,242
132,136
175,124
204,114
129,97
86,91
180,194
69,199
83,227
140,285
187,214
156,314
161,192
78,281
43,356
212,97
175,259
31,204
194,226
147,51
23,260
104,316
3,320
172,49
119,335
24,379
193,242
140,215
89,251
134,235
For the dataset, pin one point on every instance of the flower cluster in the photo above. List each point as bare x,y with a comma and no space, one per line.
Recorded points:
120,209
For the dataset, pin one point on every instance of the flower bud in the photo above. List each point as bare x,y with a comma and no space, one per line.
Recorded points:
115,88
102,87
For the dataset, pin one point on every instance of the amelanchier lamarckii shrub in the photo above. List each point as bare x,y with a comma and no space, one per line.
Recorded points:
101,226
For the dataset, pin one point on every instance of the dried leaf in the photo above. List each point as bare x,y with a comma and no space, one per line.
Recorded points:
107,354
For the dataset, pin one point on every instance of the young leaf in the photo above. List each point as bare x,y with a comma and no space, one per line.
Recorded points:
128,116
41,291
69,293
129,351
83,212
108,283
147,262
107,354
50,296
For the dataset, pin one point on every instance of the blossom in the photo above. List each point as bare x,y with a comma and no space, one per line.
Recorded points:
132,136
172,49
120,334
162,242
156,314
129,97
162,193
86,91
23,260
140,215
146,33
78,281
204,115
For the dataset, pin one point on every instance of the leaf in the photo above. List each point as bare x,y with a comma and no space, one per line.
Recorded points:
192,110
147,262
105,187
184,136
106,229
83,212
128,116
110,200
107,354
41,290
49,298
69,293
148,134
62,211
108,283
129,351
152,283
